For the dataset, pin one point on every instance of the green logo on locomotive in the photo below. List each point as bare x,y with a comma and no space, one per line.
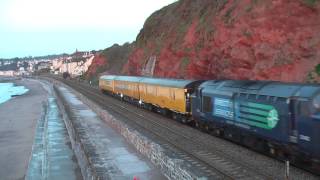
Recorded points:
253,114
256,114
273,118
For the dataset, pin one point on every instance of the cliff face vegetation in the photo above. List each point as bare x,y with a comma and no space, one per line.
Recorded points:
231,39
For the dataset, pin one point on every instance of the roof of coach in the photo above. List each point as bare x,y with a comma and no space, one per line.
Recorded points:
129,78
268,88
176,83
108,77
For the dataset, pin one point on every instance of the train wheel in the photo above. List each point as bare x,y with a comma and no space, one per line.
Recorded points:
206,128
164,112
220,132
280,154
316,168
292,159
272,152
174,116
149,107
259,145
183,119
217,132
191,123
197,125
200,126
203,127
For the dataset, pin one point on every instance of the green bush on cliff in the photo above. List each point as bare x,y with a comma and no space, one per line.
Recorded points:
317,69
310,2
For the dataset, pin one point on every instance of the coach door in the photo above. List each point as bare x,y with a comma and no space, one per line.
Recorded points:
200,98
304,123
293,130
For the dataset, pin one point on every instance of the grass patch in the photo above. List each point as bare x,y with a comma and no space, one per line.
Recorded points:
249,9
247,33
310,3
317,69
184,63
188,49
313,76
228,19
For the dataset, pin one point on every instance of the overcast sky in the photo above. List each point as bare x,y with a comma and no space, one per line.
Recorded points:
42,27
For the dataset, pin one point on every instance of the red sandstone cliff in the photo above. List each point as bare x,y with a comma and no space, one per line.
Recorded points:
224,39
231,39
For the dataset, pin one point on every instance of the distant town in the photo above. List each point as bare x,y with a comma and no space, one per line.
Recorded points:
75,64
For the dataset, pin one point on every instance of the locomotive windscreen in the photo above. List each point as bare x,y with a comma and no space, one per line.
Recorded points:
316,102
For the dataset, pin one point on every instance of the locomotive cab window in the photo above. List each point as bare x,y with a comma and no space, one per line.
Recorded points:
206,104
316,102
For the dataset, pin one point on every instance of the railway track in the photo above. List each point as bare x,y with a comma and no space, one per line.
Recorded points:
193,147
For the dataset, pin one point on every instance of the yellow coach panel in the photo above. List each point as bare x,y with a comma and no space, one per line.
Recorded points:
106,85
126,88
164,97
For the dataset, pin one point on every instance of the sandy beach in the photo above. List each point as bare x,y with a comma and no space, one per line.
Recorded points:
18,118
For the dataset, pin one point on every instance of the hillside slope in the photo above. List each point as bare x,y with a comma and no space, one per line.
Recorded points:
109,61
231,39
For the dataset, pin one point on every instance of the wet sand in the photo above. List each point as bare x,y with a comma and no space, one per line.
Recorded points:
18,118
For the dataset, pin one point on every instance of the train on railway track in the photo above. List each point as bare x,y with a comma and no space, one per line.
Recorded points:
281,119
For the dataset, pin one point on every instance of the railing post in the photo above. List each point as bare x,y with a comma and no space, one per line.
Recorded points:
287,170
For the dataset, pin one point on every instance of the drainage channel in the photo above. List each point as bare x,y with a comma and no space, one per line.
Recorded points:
52,155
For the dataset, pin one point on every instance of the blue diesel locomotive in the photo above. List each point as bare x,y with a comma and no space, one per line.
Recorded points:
281,118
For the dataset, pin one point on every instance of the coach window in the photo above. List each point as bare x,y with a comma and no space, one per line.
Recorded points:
206,104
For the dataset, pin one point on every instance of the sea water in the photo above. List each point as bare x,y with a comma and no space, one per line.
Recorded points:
8,90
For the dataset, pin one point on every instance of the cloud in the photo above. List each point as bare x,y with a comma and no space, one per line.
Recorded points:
73,14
